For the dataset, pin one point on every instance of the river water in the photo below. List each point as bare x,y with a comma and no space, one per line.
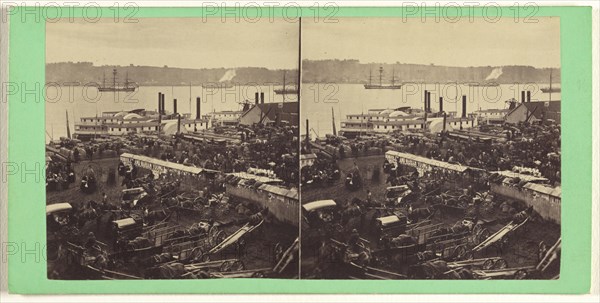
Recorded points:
81,101
318,100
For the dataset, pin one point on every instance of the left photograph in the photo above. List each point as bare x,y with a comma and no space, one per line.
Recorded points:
172,149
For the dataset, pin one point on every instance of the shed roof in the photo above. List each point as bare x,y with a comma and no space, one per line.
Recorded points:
551,191
290,193
124,222
432,162
166,164
318,205
388,220
524,177
53,208
308,156
261,179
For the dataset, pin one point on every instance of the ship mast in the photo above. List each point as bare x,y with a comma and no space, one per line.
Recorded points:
550,96
333,122
380,75
68,129
114,78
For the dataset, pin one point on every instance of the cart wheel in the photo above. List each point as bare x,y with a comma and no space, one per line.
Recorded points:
428,273
196,254
119,264
460,252
500,264
483,234
237,265
476,229
469,255
225,266
258,274
205,258
278,251
520,274
488,264
212,231
217,238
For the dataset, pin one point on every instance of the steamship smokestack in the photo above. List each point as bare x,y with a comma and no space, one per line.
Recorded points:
307,137
256,98
174,106
441,104
523,96
425,101
429,102
162,104
444,127
262,98
198,108
159,98
464,106
159,109
528,96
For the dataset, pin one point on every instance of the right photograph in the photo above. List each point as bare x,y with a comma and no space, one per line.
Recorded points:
430,148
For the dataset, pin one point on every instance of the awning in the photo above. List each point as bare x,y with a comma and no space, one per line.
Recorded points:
124,222
53,208
388,220
318,205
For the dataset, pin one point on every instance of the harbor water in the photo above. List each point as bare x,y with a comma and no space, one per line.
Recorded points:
80,101
318,99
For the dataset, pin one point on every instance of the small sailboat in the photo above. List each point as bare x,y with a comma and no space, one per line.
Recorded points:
392,84
286,90
550,89
128,86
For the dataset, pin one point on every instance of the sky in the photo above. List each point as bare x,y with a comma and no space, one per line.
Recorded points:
175,42
273,44
464,43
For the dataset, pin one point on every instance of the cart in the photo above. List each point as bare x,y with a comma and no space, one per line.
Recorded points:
233,238
500,235
484,263
517,273
452,249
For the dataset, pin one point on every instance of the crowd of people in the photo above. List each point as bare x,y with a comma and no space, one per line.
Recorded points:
59,175
536,150
273,148
263,147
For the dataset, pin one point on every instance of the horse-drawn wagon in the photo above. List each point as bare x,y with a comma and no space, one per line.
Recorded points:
320,222
501,237
451,249
516,273
483,263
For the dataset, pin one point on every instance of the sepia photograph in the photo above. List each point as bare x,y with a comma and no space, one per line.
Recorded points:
172,149
430,150
266,150
368,148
